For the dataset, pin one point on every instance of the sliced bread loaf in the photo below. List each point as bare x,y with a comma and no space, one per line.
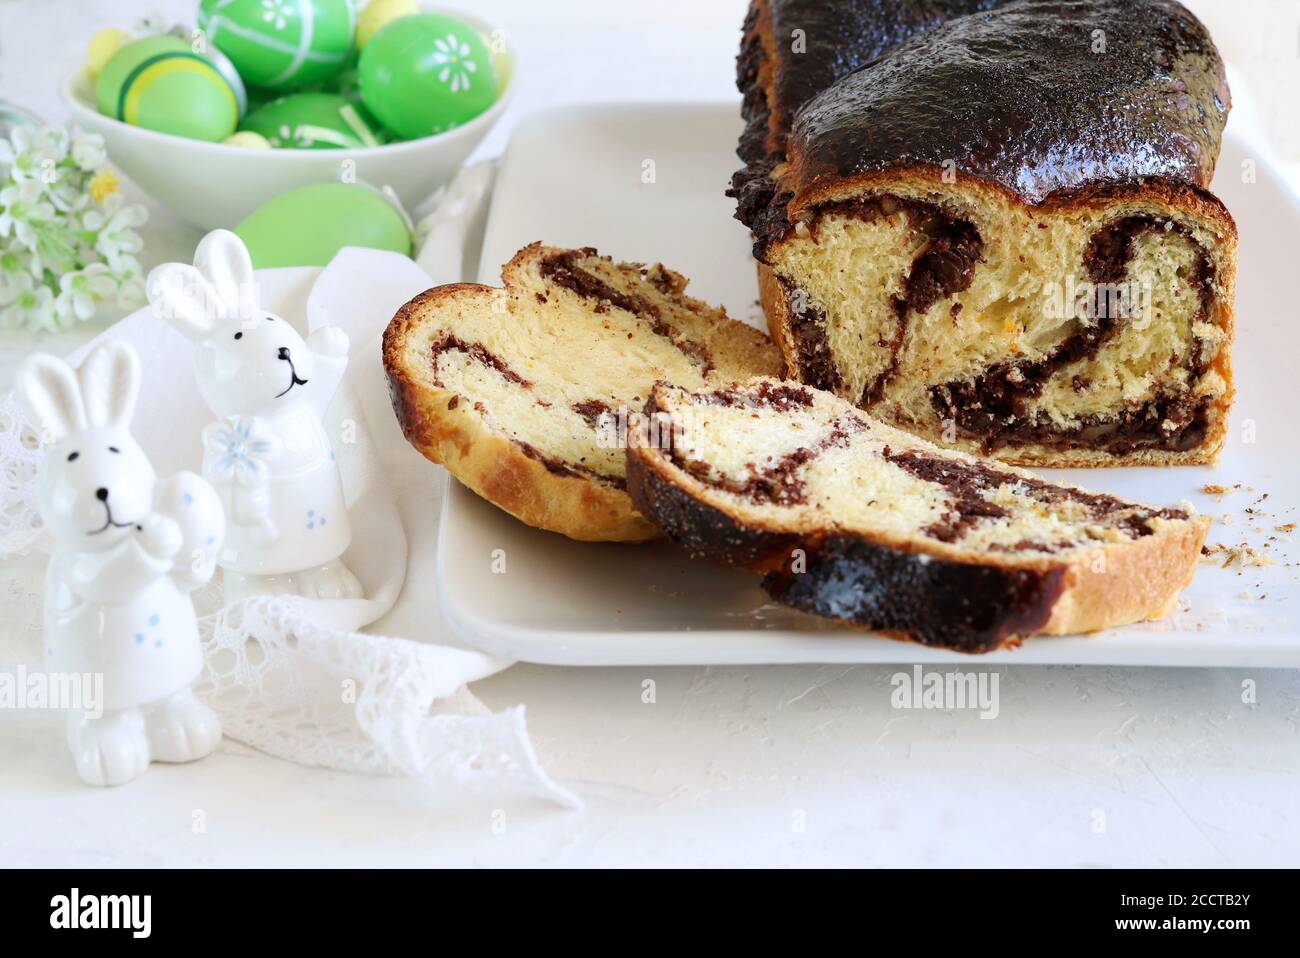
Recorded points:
858,521
990,237
523,392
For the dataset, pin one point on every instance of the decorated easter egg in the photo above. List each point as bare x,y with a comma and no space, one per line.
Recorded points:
281,44
380,13
307,226
160,83
314,121
426,73
249,140
231,75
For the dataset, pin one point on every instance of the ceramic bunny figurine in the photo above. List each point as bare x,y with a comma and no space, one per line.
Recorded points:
268,456
128,550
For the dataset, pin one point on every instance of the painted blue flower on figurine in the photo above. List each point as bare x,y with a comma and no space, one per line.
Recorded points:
237,455
241,448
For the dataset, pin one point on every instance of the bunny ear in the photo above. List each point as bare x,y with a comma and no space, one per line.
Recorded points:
180,295
223,259
51,397
110,383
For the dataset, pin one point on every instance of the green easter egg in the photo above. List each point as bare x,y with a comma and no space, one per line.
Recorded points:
281,44
425,74
307,226
314,121
160,83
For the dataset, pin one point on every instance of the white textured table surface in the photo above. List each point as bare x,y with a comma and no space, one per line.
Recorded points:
788,765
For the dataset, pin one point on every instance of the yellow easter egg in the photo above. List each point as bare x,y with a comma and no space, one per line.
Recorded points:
378,13
102,47
249,140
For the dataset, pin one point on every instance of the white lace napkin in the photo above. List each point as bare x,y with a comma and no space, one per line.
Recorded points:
294,677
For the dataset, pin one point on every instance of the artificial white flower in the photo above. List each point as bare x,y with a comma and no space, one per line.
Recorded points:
116,223
51,143
67,240
16,155
88,151
32,307
22,207
81,291
130,281
35,155
13,283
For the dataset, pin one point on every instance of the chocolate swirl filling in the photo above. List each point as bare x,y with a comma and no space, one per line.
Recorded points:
993,407
478,353
944,267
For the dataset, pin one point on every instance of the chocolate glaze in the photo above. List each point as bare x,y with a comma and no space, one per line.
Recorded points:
1015,96
953,605
703,531
837,38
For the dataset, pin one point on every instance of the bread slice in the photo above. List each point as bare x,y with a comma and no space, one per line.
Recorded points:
995,234
523,393
857,521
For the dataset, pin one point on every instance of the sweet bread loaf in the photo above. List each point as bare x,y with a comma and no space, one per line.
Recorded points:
857,521
522,393
997,233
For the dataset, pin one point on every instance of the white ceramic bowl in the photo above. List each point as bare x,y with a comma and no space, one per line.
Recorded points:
213,185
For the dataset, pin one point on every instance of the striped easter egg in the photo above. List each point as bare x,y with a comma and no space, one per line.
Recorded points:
281,44
160,83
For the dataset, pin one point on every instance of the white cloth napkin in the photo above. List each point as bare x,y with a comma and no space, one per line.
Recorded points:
294,677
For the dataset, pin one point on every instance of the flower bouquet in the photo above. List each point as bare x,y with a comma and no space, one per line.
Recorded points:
68,242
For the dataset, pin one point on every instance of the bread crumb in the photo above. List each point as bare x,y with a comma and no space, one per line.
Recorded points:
1214,490
1243,554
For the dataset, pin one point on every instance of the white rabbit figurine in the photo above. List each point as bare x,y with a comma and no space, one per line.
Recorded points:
269,456
128,550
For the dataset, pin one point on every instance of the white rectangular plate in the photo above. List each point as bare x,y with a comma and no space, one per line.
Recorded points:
645,182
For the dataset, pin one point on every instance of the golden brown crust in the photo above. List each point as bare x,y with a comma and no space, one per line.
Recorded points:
776,307
1136,581
451,432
